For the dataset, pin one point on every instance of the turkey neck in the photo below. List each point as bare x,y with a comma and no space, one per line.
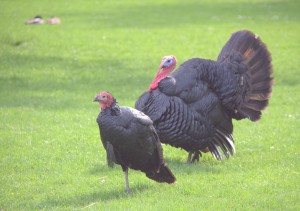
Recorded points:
113,110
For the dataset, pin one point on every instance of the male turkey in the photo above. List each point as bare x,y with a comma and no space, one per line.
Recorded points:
193,107
130,140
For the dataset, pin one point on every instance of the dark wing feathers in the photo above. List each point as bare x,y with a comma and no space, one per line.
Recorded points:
134,143
141,103
110,155
163,175
154,103
140,117
187,120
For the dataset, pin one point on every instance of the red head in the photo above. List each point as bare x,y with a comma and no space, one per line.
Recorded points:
105,99
166,66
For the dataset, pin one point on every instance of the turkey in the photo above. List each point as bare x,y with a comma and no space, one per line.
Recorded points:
193,107
130,140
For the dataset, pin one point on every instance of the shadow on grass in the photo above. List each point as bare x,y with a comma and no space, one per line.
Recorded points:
86,200
203,167
96,193
177,166
100,168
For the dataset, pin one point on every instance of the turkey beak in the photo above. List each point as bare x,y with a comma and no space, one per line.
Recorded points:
96,99
160,69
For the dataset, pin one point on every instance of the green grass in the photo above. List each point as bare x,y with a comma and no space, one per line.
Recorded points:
50,153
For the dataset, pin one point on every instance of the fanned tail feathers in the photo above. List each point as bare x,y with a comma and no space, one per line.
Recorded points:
259,79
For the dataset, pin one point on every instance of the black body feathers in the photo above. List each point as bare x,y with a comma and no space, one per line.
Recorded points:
131,141
193,107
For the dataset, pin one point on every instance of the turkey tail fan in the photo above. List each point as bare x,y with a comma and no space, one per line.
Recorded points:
164,174
259,79
110,155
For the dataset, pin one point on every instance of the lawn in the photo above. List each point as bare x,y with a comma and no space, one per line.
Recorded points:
51,156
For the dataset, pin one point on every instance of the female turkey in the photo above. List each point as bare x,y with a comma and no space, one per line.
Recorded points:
193,107
130,140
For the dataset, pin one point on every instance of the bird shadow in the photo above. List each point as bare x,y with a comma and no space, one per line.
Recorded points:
100,168
102,194
98,196
203,166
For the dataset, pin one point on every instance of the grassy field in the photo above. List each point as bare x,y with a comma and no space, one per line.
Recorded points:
50,152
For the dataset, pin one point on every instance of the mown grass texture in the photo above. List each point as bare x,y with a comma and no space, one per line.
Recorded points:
50,152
